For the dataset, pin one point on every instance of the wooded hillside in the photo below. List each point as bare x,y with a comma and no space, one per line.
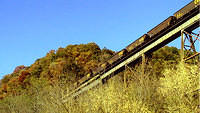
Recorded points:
65,64
69,64
166,86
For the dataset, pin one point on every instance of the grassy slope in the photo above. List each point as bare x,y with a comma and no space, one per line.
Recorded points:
175,92
165,87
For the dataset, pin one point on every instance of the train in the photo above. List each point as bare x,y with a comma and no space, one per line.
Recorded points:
138,44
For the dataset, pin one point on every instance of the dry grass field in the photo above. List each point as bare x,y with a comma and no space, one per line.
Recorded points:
176,92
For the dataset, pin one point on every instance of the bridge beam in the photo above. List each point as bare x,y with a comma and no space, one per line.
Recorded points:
146,58
172,34
188,49
143,63
185,25
182,46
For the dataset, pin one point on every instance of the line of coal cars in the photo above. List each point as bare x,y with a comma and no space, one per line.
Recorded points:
170,21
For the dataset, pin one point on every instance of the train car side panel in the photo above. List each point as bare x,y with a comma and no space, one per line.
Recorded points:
170,20
101,67
180,13
83,79
137,43
117,56
196,2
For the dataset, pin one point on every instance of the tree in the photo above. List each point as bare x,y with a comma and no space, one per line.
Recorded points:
18,68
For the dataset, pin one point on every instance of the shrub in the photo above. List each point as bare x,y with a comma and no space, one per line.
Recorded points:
178,88
128,92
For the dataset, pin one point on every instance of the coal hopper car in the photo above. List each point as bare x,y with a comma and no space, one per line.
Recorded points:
193,5
117,57
139,42
162,26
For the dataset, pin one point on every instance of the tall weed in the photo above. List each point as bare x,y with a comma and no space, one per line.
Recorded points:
130,92
180,88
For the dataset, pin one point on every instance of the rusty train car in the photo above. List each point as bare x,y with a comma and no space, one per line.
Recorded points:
91,74
117,56
134,45
101,68
162,26
170,21
187,9
84,79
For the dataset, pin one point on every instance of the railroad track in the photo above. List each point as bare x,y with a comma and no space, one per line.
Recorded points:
186,19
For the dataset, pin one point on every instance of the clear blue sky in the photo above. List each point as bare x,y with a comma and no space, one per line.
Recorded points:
31,28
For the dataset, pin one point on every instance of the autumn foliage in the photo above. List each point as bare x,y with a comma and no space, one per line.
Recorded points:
65,64
165,86
68,65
